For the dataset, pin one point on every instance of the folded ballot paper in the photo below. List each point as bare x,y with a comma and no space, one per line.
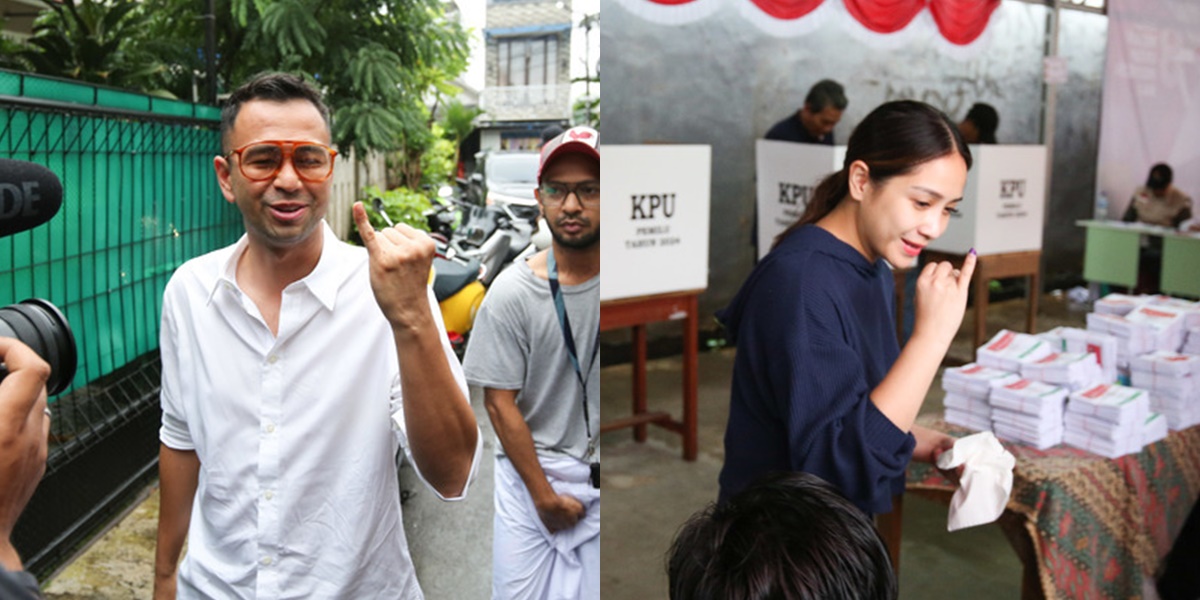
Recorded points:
986,481
1030,412
1162,362
1133,338
1119,304
1154,429
1103,345
1166,324
975,380
1115,412
1073,370
1008,350
1191,342
968,412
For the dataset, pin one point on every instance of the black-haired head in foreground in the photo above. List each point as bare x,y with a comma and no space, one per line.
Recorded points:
789,536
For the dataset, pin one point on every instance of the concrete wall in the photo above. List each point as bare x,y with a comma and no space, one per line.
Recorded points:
721,81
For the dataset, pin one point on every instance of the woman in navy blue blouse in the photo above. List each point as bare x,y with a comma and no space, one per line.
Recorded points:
820,384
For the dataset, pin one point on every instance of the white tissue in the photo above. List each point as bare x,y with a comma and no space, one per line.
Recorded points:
985,483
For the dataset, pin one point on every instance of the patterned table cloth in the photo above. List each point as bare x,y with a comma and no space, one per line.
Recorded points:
1099,527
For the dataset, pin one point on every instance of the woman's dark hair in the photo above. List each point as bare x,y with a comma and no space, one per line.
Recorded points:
893,140
790,536
1160,177
986,120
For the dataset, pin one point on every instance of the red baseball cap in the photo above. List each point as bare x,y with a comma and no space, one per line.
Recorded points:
581,139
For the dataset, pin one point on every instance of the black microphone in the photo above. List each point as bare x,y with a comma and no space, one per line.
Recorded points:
30,195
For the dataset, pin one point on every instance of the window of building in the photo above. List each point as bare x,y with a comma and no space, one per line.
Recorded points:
528,61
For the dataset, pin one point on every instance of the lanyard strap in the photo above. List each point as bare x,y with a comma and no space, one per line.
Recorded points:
564,323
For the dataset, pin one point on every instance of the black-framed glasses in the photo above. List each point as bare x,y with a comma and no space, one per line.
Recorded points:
554,193
262,160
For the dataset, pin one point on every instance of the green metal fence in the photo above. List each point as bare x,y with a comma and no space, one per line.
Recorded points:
140,198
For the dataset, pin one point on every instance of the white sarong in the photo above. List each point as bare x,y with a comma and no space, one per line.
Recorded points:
529,562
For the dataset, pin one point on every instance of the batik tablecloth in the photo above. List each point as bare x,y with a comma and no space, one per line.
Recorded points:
1099,526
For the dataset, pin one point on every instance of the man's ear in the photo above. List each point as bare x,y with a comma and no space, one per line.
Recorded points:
859,179
221,166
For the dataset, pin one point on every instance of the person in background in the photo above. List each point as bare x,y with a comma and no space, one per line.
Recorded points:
814,122
1159,202
787,536
24,432
550,132
979,126
820,383
534,350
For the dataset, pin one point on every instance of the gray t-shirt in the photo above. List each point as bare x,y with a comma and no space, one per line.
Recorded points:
517,344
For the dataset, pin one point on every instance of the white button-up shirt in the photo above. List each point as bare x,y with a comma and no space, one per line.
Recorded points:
298,494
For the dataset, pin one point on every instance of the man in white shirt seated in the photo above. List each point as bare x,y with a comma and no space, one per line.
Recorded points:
287,358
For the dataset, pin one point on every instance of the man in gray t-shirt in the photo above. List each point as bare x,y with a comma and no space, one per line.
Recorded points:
543,391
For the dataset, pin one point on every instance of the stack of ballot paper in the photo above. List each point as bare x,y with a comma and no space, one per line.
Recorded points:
1030,412
1132,338
1072,370
1107,419
1008,350
1173,380
1154,429
1191,336
1191,341
1119,304
1055,337
1166,324
1103,345
967,390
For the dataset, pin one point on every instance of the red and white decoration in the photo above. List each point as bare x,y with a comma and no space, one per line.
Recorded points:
959,22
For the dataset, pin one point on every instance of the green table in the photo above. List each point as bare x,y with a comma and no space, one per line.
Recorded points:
1111,255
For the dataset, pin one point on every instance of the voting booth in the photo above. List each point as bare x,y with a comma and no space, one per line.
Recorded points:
787,173
1003,204
654,203
1001,216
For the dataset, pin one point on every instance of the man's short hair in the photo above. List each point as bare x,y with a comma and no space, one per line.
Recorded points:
275,87
825,93
986,120
788,536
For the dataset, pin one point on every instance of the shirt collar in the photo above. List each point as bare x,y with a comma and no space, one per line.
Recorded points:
336,264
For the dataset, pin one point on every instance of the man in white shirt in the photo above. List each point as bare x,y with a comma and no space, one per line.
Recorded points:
534,351
280,354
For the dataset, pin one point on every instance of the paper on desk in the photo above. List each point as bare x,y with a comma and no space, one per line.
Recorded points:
986,481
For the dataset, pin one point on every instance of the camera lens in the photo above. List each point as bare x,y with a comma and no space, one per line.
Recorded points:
41,326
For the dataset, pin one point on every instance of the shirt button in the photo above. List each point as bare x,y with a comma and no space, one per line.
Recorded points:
271,428
273,358
269,494
266,561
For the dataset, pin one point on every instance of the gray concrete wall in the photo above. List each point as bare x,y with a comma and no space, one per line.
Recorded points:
721,81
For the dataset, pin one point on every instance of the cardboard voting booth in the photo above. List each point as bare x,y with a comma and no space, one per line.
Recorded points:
655,209
787,173
1003,204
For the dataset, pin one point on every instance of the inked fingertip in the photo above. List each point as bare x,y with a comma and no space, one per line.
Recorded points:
972,252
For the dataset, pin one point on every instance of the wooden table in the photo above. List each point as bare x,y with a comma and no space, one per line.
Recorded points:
637,313
1084,526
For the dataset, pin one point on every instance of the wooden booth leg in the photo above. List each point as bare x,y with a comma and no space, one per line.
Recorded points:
691,371
639,380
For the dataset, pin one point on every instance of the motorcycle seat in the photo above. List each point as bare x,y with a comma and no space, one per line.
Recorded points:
452,276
